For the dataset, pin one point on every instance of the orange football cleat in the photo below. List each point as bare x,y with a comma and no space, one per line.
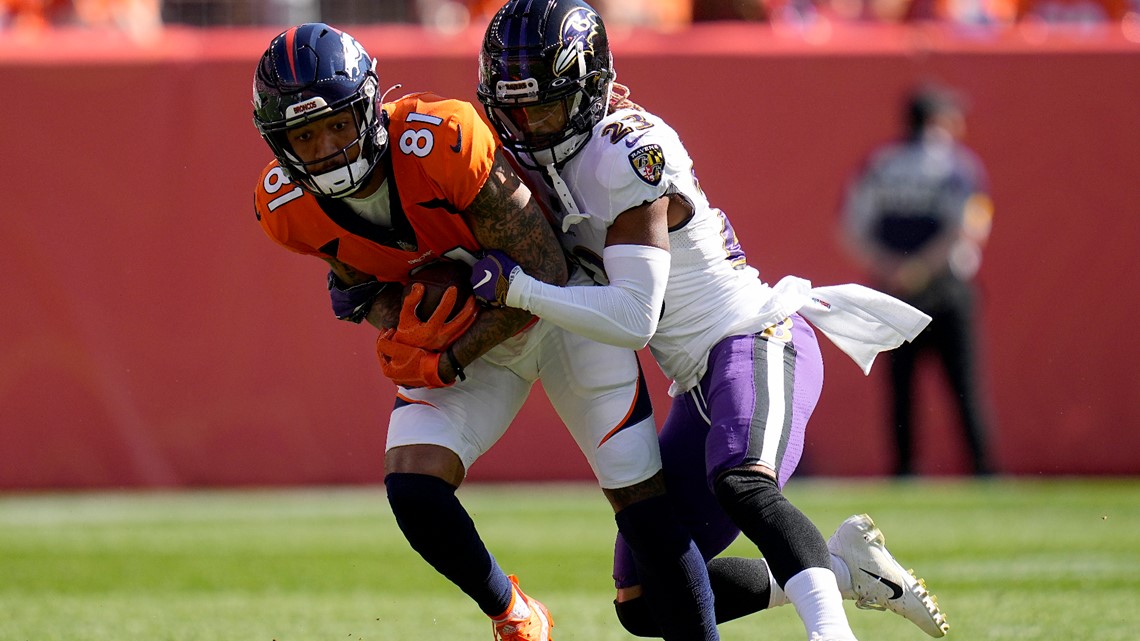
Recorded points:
535,627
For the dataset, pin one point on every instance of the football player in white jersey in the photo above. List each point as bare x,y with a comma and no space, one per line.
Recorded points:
745,365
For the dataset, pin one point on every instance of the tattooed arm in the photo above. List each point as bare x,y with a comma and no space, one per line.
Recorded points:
348,274
504,215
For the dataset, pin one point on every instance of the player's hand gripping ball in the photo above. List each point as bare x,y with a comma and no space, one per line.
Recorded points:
438,307
406,365
436,278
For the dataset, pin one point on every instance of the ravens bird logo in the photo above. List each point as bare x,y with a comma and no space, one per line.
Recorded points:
577,35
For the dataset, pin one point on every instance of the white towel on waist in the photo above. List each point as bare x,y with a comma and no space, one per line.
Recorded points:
860,321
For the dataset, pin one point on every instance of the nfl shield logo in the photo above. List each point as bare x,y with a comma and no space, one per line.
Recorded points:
649,163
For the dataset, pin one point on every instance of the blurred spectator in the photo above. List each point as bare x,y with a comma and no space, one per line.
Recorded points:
1072,11
810,18
964,12
663,15
916,217
138,18
482,10
33,15
711,10
455,15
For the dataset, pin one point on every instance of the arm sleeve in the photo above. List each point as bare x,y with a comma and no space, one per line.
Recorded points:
623,313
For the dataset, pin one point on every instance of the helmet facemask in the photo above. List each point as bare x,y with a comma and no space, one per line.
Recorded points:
348,175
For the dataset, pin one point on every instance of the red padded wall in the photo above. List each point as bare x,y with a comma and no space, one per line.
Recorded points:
152,336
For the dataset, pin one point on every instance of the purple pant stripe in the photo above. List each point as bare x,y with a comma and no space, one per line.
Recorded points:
805,394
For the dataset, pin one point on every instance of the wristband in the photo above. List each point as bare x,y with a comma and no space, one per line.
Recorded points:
459,375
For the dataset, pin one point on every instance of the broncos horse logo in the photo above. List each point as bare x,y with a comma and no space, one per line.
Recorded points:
353,55
577,35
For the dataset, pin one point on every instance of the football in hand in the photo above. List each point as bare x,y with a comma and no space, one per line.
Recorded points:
436,277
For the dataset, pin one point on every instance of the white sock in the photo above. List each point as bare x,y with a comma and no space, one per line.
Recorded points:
816,597
518,610
777,596
843,577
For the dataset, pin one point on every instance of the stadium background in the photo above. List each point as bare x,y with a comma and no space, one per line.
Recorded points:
153,337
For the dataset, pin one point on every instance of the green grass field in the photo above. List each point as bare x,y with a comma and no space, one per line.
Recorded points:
1055,560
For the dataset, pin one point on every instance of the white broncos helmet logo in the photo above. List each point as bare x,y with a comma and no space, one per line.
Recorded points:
577,35
353,54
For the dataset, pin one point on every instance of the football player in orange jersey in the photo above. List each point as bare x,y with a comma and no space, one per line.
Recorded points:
377,190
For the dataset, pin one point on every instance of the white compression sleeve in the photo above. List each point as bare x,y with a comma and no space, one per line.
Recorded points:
625,313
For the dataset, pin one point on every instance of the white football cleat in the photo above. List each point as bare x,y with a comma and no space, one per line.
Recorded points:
879,582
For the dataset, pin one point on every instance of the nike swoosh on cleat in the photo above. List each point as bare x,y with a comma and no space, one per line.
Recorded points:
483,281
896,589
458,146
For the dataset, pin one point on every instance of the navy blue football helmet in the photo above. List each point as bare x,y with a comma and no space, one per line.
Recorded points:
545,77
307,73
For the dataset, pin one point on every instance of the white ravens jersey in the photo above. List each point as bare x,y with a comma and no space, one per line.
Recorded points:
632,158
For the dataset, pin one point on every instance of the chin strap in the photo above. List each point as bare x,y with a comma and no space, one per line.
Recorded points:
573,214
342,181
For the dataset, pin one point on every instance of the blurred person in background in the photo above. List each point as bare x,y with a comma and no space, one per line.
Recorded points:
1071,12
378,189
660,15
977,13
729,10
916,217
29,16
139,19
669,272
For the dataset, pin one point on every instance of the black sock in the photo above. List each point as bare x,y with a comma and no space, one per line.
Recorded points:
672,571
436,525
740,586
786,537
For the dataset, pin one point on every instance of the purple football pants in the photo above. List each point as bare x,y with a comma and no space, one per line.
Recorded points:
751,406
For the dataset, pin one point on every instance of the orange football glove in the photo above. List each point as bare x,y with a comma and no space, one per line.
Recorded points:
406,365
436,333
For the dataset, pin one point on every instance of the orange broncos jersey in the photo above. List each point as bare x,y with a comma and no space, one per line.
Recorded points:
439,154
